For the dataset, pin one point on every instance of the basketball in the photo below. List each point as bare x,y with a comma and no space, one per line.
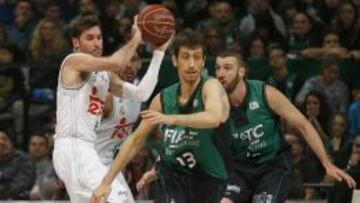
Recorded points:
156,24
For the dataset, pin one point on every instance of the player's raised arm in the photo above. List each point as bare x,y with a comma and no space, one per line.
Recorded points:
282,106
90,59
145,88
216,110
128,150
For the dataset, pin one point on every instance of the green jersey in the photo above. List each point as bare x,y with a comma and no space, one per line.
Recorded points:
189,150
254,127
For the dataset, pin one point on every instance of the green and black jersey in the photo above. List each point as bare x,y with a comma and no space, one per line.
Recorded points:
255,134
189,150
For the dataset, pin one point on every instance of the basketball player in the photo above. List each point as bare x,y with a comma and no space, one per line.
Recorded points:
84,79
263,168
120,114
191,166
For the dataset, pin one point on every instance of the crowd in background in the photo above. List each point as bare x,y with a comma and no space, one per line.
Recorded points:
34,38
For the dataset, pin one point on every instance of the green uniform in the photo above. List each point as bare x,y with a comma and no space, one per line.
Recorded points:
254,127
189,150
263,169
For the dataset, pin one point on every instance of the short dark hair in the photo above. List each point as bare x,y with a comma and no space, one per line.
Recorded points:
188,38
329,60
82,23
235,54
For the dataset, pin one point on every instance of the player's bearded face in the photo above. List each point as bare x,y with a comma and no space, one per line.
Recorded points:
90,41
189,62
227,72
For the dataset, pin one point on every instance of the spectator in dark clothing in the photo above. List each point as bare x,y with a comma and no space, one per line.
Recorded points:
305,34
17,171
304,170
337,131
264,21
12,88
288,83
256,47
341,193
20,31
346,22
354,119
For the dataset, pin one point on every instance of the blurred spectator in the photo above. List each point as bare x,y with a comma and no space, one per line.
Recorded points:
354,119
223,17
304,170
331,45
48,44
20,31
130,7
327,10
256,48
134,171
335,91
196,13
338,126
3,36
45,179
341,192
263,20
288,11
17,171
305,34
288,83
316,109
12,90
214,41
53,13
347,23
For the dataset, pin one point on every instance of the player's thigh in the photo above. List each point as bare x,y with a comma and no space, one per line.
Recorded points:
274,185
237,189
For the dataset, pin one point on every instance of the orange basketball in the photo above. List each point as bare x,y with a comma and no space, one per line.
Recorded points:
156,24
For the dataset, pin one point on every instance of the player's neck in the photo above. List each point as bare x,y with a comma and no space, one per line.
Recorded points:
238,95
187,89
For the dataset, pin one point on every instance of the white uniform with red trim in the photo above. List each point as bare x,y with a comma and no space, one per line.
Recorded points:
76,161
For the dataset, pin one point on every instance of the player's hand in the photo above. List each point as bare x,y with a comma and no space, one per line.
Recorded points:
147,178
339,175
164,46
156,118
136,33
101,193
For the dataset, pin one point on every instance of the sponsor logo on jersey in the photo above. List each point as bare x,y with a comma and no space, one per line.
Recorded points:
254,105
250,134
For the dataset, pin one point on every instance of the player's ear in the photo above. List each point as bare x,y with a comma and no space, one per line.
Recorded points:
203,63
242,71
174,60
75,42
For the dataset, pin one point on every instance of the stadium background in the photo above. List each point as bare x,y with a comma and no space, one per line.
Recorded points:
34,38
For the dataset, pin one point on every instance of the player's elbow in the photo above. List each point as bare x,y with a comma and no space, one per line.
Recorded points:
214,122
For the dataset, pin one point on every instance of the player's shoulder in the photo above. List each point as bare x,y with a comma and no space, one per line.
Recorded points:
212,82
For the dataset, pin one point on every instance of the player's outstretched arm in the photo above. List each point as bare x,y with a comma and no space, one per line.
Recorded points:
282,106
216,110
128,150
83,62
145,88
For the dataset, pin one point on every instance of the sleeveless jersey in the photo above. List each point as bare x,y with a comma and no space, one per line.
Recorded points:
113,130
79,110
189,150
254,127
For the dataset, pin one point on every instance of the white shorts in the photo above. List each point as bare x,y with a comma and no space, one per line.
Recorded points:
78,165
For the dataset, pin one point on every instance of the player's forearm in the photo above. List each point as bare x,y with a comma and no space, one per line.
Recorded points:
123,55
314,141
198,120
143,91
129,149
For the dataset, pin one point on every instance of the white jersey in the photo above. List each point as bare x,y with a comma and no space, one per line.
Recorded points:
114,129
79,110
